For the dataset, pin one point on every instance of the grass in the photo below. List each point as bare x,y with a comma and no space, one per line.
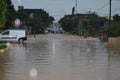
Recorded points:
3,46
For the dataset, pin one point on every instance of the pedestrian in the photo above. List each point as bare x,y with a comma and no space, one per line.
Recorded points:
29,31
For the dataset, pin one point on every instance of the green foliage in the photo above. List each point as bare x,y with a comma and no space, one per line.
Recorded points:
76,31
89,25
116,17
114,30
22,15
3,11
70,24
40,21
51,19
7,13
11,14
95,24
93,20
3,46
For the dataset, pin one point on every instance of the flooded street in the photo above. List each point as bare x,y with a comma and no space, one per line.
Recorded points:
60,59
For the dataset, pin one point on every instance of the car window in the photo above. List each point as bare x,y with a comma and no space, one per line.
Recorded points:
5,33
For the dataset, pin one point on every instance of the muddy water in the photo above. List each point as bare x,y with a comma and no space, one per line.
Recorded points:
60,60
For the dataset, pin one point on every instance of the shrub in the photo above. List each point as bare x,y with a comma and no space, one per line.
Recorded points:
114,30
3,46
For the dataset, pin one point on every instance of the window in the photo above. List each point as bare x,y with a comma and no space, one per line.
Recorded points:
5,33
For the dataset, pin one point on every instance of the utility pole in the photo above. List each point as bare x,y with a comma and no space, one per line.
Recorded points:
110,13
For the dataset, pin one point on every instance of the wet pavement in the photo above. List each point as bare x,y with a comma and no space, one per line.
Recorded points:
59,59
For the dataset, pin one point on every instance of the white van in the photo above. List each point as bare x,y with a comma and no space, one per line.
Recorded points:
13,35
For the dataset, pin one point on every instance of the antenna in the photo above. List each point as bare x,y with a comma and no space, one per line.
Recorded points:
76,6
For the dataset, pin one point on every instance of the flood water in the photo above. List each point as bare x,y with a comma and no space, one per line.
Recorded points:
60,60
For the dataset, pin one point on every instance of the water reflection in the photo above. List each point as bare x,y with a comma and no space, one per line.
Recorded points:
60,60
2,68
33,73
114,63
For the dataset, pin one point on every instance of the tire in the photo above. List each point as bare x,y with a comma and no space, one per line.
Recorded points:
20,40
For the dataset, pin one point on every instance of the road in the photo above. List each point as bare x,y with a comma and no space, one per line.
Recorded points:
60,57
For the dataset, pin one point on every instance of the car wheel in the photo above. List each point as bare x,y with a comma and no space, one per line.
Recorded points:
20,40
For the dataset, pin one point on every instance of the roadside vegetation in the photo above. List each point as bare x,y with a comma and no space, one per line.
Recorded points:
89,25
94,25
114,29
3,12
3,46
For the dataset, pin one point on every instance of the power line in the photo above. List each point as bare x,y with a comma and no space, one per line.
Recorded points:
106,14
102,7
115,9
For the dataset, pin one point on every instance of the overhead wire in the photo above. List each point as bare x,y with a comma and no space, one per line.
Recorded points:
116,9
102,7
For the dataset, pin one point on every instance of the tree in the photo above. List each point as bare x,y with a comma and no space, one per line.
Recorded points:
114,30
22,16
70,24
11,14
40,21
85,27
51,19
93,24
116,17
3,11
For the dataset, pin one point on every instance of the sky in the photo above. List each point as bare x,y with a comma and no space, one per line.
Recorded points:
59,8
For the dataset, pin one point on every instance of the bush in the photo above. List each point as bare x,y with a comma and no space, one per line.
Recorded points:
3,46
114,30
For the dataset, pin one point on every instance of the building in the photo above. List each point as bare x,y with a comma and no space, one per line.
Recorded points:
30,18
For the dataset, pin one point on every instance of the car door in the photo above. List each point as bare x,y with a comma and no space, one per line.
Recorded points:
5,36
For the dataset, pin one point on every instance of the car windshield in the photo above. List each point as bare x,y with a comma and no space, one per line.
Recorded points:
1,31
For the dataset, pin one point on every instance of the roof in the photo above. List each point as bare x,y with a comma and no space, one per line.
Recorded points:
28,11
79,15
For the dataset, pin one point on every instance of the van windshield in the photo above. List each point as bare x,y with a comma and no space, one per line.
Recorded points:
1,31
5,33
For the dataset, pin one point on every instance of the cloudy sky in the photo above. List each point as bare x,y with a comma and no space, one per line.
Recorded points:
58,8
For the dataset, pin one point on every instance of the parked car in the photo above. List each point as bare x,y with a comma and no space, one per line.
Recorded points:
13,35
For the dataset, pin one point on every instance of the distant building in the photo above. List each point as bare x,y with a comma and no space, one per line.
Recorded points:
82,17
85,17
20,7
101,22
109,17
29,12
